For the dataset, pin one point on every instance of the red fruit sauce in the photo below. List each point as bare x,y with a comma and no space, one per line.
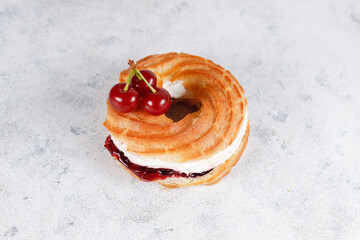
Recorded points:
143,172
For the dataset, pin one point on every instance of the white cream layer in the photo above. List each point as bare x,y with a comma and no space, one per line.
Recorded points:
197,166
176,89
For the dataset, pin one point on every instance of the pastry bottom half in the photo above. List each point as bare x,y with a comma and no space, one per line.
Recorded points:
171,178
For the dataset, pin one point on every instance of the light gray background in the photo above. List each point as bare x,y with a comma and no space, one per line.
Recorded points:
298,61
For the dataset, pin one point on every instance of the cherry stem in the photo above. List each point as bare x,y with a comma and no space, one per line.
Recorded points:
138,76
126,88
148,84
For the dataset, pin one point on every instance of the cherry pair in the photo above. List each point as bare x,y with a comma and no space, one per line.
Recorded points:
125,97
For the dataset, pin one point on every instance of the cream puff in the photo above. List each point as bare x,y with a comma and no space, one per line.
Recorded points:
196,139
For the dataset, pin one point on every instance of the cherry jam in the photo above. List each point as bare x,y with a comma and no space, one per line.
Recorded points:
143,172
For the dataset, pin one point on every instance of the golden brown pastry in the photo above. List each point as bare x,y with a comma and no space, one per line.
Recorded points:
177,150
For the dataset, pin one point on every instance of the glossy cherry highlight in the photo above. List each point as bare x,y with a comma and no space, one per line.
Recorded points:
140,85
157,103
123,100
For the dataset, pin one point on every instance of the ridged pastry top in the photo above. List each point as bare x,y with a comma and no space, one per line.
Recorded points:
199,134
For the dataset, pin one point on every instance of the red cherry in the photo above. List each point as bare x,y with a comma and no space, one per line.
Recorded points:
157,103
123,101
140,84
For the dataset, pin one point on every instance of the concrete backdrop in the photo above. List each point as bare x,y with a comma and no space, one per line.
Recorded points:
298,61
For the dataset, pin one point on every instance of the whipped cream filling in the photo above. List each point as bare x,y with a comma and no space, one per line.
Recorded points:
197,166
176,89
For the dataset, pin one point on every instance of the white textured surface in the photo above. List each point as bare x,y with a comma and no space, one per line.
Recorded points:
299,62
